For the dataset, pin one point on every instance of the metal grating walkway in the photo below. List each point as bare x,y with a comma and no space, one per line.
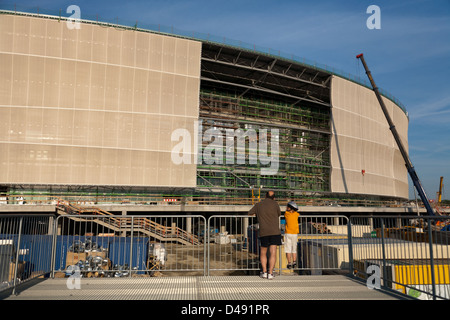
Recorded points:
284,287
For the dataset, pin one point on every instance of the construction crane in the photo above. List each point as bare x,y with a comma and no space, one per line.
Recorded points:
439,195
412,172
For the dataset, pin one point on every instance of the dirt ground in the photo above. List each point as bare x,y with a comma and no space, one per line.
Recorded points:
183,260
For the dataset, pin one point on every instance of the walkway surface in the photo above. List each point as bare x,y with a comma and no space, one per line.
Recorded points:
284,287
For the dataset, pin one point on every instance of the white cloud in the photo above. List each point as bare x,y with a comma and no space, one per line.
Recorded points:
437,110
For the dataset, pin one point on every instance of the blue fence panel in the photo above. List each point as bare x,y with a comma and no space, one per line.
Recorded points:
119,252
34,253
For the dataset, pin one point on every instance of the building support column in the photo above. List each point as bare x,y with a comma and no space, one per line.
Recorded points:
124,213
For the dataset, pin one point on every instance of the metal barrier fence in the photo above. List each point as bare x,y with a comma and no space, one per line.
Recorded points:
121,246
323,244
409,254
233,245
25,248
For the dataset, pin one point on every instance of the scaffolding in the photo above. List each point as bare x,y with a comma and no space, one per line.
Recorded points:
227,106
304,143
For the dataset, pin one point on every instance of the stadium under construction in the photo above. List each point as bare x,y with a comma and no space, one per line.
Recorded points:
136,153
106,110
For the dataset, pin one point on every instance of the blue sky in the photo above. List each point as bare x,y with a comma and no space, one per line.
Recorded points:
409,56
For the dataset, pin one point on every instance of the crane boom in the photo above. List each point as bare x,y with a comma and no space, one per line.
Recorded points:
412,172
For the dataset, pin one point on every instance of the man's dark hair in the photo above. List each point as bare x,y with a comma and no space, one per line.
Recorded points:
270,195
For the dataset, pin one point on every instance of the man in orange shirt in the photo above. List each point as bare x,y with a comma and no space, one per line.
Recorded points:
291,234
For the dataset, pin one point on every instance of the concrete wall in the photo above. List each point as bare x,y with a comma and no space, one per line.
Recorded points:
95,105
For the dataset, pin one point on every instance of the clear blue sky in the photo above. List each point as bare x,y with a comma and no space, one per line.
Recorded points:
409,56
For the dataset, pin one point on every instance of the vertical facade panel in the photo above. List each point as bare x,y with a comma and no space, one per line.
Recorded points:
364,156
7,30
94,105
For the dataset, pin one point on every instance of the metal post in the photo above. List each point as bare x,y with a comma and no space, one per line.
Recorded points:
188,224
279,259
206,236
206,253
384,252
350,247
54,236
17,256
279,248
430,242
131,245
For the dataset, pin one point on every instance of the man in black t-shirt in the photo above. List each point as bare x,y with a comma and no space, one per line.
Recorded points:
268,213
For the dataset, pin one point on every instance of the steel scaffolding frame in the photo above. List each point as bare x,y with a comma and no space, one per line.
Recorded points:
304,140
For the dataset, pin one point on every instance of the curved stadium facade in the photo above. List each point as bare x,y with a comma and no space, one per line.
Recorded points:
113,107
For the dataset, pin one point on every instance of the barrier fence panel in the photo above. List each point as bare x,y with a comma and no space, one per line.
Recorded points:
409,254
322,244
233,245
125,246
25,248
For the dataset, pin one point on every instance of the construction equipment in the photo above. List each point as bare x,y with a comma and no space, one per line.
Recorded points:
409,166
157,257
439,195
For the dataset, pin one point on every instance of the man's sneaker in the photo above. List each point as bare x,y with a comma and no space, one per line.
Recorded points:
270,276
289,266
263,275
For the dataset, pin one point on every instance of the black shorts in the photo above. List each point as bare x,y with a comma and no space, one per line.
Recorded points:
274,240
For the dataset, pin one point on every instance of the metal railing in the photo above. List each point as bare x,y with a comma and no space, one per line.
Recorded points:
25,248
121,246
233,245
323,244
409,254
186,200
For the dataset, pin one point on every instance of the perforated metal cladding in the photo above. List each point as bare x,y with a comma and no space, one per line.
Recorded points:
95,105
365,158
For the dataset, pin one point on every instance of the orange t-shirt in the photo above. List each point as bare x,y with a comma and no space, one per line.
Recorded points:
291,222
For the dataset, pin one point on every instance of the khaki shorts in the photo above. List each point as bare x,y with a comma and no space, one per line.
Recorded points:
290,243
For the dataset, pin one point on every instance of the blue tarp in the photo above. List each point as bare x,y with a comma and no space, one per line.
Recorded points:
37,250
